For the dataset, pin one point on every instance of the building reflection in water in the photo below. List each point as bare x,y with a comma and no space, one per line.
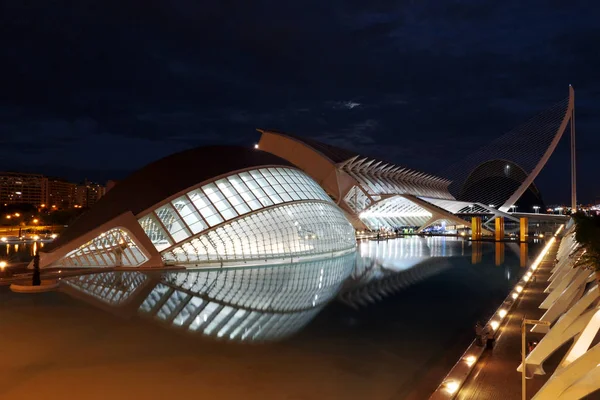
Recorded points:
376,281
499,259
524,254
386,267
476,252
241,304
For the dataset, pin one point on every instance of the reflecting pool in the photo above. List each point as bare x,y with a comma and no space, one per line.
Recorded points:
242,304
385,323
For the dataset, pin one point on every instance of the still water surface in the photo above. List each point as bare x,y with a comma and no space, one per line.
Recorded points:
391,318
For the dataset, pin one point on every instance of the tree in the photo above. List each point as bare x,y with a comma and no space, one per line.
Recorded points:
587,234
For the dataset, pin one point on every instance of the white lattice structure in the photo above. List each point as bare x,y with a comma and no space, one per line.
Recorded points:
573,309
215,206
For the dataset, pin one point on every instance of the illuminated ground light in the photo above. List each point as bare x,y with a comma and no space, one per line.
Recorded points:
502,313
515,295
470,360
519,289
526,278
451,387
494,325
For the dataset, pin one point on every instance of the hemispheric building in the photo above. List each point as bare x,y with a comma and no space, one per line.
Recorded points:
212,207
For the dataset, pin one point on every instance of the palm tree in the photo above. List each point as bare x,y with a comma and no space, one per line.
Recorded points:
587,234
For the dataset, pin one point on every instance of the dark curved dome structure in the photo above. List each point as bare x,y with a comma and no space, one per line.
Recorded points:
493,182
210,206
163,178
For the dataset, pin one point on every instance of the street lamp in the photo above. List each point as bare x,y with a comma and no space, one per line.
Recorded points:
524,324
2,265
537,209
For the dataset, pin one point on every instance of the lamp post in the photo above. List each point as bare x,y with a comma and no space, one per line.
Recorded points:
524,324
537,209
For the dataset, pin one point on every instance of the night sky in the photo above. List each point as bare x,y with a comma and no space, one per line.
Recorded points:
97,89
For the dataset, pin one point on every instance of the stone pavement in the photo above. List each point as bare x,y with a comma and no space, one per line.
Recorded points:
495,376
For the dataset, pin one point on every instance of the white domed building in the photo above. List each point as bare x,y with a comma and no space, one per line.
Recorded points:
218,206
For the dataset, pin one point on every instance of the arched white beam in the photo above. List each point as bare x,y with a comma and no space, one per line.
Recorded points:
569,379
569,296
533,174
569,325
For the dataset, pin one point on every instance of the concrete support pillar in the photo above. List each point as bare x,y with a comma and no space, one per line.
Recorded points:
524,231
499,229
476,228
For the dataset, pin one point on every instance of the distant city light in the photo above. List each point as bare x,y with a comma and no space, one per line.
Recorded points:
494,325
256,146
502,313
2,264
519,289
515,295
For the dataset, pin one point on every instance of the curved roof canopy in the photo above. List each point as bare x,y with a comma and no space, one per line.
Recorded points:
164,178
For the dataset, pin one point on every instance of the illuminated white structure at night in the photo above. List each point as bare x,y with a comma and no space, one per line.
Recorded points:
212,206
378,194
374,194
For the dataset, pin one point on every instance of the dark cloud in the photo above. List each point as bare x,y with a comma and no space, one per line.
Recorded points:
420,83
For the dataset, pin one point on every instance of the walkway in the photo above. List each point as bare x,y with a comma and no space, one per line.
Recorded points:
495,376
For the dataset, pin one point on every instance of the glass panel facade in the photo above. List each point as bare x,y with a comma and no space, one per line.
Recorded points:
223,200
113,248
189,214
173,223
155,232
287,231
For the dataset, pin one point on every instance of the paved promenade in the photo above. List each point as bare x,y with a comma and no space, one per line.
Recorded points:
495,376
